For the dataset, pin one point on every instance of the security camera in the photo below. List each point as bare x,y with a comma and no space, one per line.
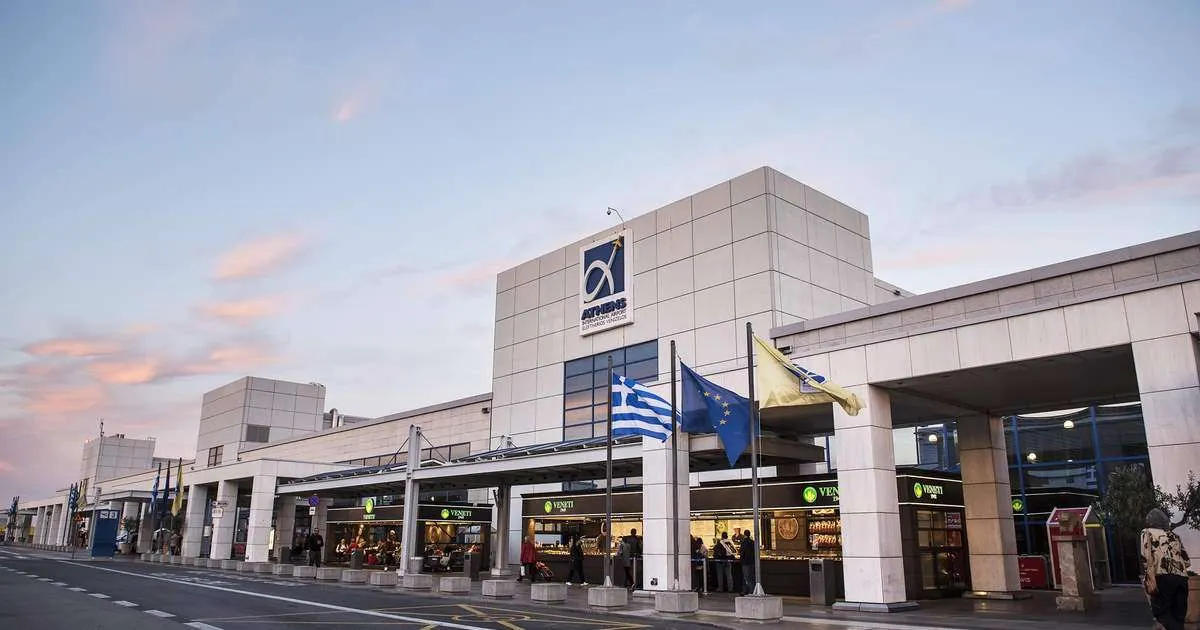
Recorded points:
608,212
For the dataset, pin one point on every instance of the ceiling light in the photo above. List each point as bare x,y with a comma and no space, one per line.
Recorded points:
1032,457
1068,424
933,438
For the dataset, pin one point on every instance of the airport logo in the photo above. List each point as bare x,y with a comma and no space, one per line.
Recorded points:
605,300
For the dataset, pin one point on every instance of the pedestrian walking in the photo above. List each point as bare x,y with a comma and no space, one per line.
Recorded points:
1165,563
747,553
528,560
576,571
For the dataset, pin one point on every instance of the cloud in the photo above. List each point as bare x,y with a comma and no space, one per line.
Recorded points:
6,467
348,108
72,347
243,311
131,372
259,257
229,359
63,399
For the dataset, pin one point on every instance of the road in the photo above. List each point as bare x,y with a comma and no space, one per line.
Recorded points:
48,591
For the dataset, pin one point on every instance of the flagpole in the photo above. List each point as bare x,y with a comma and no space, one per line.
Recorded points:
674,478
754,419
608,506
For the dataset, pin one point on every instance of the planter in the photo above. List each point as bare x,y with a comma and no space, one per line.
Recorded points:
1193,613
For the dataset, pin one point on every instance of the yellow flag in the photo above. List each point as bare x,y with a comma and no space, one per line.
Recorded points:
178,504
781,383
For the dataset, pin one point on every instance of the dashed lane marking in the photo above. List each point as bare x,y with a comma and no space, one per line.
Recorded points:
158,613
77,589
290,600
200,625
45,579
58,584
100,596
126,604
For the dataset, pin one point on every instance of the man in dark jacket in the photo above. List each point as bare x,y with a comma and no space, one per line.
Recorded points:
748,552
315,544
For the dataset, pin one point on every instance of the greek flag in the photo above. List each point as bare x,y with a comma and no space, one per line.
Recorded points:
639,411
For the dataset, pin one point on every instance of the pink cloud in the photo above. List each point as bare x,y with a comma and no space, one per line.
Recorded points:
243,311
472,276
6,467
72,347
64,399
230,359
131,372
348,108
259,257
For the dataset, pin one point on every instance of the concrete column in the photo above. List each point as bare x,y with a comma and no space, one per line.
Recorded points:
870,506
193,533
412,494
1168,374
658,518
262,508
500,551
991,534
64,527
285,524
39,528
145,529
52,517
222,535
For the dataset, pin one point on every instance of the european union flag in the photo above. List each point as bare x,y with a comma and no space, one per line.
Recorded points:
708,407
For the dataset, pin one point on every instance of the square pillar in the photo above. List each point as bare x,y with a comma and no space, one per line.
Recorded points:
500,547
52,515
146,530
193,521
873,561
658,573
285,525
1168,375
222,534
991,533
39,528
262,508
64,529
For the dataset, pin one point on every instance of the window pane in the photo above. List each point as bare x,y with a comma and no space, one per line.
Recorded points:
642,351
1057,439
577,383
578,399
576,416
578,366
600,378
643,371
577,432
460,450
1081,476
600,395
600,361
1122,431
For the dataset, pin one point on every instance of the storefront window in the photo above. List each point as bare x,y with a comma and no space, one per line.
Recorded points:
1057,438
1122,431
586,387
1068,475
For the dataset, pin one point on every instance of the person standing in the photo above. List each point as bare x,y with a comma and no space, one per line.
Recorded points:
576,571
625,557
1165,563
747,553
528,560
315,544
724,554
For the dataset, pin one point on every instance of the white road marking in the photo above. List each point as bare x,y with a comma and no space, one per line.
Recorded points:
125,604
100,596
58,584
45,579
77,589
301,602
199,625
158,613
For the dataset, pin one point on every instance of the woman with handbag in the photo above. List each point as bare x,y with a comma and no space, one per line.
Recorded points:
1165,562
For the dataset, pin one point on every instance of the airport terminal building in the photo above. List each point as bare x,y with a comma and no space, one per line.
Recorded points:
986,405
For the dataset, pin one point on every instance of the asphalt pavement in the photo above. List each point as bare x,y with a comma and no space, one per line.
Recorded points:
50,591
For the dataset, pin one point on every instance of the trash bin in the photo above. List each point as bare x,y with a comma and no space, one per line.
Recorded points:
356,559
284,556
824,581
472,563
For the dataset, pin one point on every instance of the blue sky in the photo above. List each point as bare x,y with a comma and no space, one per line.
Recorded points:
195,191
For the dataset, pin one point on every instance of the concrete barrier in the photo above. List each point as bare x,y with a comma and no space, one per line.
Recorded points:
761,608
229,565
175,559
548,592
499,589
244,567
283,569
146,557
456,585
608,596
331,574
213,563
382,578
188,562
305,572
354,576
263,567
677,602
417,582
